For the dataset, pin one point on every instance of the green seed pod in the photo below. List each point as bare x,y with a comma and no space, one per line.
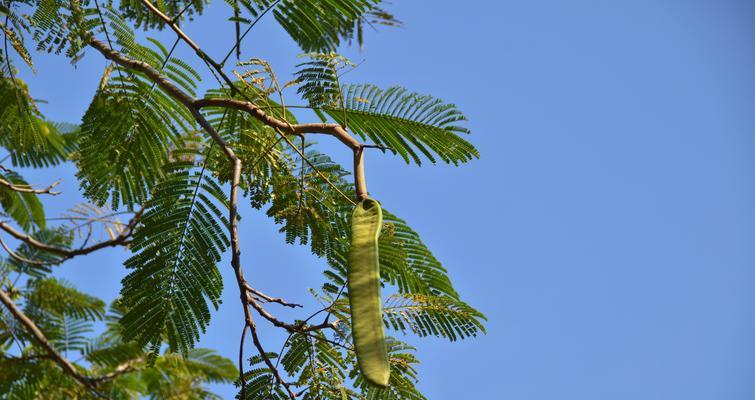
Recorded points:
364,293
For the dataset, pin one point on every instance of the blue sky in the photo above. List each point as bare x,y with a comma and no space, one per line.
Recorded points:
606,230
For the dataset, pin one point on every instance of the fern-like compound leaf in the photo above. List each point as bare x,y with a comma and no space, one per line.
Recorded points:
409,124
61,298
30,140
174,279
426,315
130,128
321,25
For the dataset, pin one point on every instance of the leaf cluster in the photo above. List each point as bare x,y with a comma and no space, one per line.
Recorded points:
69,320
138,149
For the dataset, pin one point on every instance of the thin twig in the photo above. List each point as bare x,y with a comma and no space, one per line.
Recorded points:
332,342
248,29
167,58
297,327
178,16
322,175
110,43
266,359
98,218
301,194
271,299
66,254
377,146
29,189
238,31
174,26
333,303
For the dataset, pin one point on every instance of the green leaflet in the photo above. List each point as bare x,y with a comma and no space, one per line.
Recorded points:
364,293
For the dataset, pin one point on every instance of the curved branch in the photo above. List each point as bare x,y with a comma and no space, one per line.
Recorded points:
66,254
300,327
329,129
29,189
20,258
172,22
54,355
269,299
335,130
66,365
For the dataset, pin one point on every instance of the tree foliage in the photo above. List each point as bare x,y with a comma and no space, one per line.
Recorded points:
147,148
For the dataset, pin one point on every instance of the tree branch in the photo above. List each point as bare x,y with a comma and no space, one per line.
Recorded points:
329,129
269,299
174,25
297,327
125,368
66,254
335,130
66,365
29,189
236,264
52,354
20,258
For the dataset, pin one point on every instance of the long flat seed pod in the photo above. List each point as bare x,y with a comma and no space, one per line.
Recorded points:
364,293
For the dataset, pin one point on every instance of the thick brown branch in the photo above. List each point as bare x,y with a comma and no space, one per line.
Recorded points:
329,129
169,87
152,73
335,130
30,326
236,264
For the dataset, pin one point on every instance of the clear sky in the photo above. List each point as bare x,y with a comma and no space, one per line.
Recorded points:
608,229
